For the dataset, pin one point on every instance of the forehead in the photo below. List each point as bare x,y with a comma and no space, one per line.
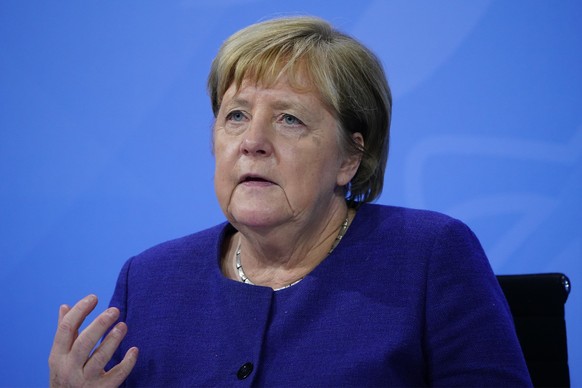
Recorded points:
281,93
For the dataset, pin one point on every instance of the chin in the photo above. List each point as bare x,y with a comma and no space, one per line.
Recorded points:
257,218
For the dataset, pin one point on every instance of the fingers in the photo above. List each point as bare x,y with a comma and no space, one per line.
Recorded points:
63,309
70,319
117,375
89,337
71,362
104,352
102,355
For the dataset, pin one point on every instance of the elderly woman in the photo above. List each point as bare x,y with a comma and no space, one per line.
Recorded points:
307,283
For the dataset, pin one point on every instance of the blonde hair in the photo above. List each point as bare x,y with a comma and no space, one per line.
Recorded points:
348,77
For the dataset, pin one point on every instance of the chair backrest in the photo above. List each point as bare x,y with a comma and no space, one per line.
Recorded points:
537,305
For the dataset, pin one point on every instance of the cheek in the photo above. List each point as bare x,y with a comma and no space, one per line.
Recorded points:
315,174
222,171
223,187
223,153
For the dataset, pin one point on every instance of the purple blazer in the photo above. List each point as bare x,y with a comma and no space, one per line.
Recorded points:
407,298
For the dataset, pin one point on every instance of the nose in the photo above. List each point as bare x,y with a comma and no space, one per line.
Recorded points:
256,139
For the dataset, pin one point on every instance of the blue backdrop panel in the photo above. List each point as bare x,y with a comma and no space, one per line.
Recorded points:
105,138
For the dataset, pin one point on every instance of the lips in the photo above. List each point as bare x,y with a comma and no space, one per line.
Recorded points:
255,179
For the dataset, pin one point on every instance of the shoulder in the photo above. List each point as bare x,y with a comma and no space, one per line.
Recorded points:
180,252
408,224
412,239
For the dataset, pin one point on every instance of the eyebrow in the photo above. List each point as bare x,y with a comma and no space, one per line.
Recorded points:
237,100
278,104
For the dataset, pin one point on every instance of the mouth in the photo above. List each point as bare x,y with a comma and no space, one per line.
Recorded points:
254,179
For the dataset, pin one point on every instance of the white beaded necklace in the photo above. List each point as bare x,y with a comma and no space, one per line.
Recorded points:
245,279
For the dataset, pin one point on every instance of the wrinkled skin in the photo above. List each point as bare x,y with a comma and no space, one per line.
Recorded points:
74,361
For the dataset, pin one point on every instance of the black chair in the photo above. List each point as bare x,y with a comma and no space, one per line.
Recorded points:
537,305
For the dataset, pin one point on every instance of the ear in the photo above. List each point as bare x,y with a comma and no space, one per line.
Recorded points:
351,163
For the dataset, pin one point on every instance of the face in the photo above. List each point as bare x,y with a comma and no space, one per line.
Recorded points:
277,156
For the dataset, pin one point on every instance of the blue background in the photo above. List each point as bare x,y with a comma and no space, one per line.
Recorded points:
105,138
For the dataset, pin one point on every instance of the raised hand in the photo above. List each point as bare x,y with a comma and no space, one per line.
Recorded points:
73,362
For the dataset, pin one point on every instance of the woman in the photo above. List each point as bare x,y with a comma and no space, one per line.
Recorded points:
307,283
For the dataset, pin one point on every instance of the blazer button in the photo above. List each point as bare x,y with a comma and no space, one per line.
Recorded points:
244,371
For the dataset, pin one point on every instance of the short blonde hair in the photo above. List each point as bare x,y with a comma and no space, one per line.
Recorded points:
348,77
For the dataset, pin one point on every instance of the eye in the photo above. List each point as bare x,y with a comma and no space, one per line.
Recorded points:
291,120
235,115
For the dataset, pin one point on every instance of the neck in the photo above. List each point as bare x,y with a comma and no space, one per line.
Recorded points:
279,257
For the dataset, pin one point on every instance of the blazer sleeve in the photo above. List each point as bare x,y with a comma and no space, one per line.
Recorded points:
470,338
